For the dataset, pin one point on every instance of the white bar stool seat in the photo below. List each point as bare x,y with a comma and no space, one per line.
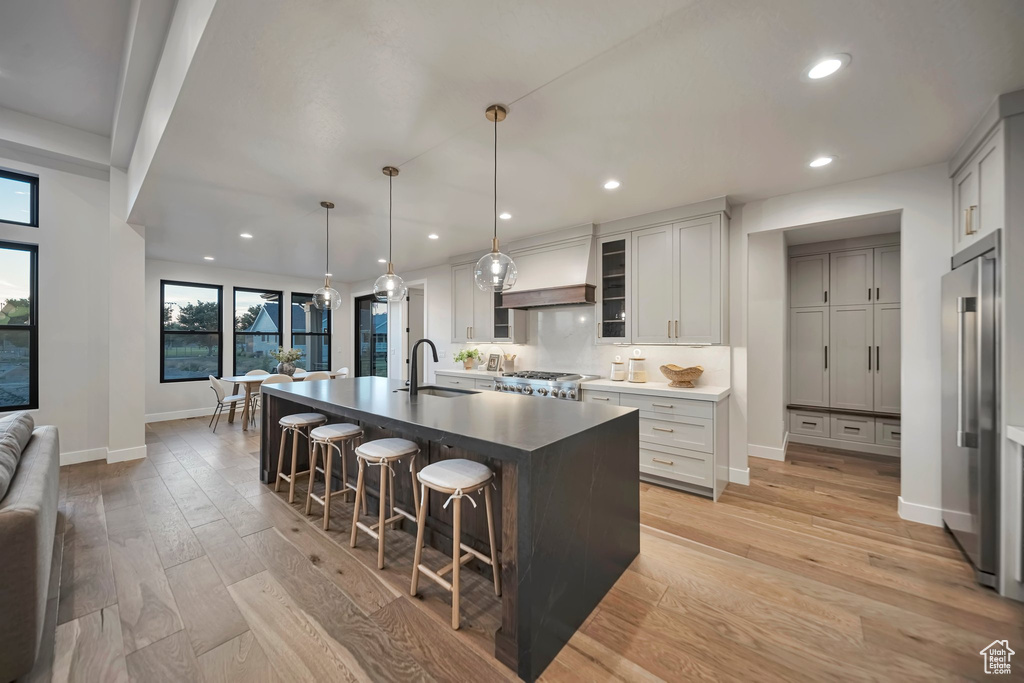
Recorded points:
323,440
297,425
382,453
457,478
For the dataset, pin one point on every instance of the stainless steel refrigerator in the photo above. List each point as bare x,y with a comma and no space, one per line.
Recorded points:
970,404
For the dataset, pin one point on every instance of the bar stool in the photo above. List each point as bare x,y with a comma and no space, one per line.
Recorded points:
382,453
323,440
455,477
298,425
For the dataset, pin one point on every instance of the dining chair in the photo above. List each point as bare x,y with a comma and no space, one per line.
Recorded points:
221,389
254,398
312,376
341,373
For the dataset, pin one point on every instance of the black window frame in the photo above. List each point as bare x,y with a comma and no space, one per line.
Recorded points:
235,333
32,327
356,340
33,182
328,333
220,330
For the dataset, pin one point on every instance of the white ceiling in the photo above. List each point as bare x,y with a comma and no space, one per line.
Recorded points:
291,101
60,59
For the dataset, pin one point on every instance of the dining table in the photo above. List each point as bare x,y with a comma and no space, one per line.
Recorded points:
252,384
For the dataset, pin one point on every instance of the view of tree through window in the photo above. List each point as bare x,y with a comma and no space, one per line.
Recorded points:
190,331
311,333
257,329
19,198
18,342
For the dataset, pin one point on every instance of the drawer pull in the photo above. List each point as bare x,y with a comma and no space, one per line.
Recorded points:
852,429
663,462
662,429
810,424
896,435
600,398
663,405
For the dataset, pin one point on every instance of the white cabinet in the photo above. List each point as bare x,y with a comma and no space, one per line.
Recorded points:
461,382
613,290
887,358
887,274
851,380
808,280
477,315
979,188
851,277
853,428
653,298
808,359
462,302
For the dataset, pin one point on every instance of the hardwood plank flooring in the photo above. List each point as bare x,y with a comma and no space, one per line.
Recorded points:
183,567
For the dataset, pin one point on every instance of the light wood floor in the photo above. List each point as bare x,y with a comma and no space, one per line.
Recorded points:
184,567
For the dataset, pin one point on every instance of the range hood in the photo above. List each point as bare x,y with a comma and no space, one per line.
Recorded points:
556,269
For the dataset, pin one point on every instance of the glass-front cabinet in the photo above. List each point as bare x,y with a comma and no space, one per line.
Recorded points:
613,290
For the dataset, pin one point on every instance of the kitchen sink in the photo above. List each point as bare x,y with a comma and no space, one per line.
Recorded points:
443,392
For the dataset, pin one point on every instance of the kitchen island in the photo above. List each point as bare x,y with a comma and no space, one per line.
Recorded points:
567,478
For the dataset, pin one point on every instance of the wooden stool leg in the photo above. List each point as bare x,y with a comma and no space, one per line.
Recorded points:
415,486
490,534
384,471
328,451
360,484
344,471
313,451
280,460
456,557
295,465
421,522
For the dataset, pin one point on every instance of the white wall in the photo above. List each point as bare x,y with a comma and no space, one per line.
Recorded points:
767,350
924,198
189,399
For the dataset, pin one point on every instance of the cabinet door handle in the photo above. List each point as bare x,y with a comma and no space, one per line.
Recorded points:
669,333
869,359
896,436
878,293
599,398
826,356
663,405
663,462
869,294
598,330
826,296
969,220
878,359
662,429
677,329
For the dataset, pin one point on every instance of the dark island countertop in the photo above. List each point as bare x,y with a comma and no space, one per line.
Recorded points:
502,425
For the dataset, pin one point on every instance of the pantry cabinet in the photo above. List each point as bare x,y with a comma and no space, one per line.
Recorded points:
808,356
851,381
808,280
887,358
851,274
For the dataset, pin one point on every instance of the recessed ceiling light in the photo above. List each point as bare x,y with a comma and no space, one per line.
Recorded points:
245,235
382,260
504,216
612,184
821,161
208,258
828,66
433,236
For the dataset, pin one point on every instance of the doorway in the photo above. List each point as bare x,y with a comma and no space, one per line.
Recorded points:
371,342
414,330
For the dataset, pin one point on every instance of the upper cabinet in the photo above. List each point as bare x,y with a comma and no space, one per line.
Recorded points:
462,302
477,316
613,289
851,277
653,297
979,205
887,275
808,281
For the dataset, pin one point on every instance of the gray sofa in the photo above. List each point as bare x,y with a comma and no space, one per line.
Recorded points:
28,518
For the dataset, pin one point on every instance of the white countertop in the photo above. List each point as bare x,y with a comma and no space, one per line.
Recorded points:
1014,433
481,374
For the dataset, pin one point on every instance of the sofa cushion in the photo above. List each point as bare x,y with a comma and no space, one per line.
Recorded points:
15,431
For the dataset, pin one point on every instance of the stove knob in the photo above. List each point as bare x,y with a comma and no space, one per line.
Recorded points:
572,394
527,390
497,387
542,391
561,393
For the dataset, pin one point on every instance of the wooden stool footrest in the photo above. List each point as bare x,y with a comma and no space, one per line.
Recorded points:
434,577
288,477
463,559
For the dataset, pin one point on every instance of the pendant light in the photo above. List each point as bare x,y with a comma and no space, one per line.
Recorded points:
495,272
389,287
327,298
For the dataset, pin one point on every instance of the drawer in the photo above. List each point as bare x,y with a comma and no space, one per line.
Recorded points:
655,405
485,384
853,428
609,398
887,432
693,433
679,464
809,423
457,382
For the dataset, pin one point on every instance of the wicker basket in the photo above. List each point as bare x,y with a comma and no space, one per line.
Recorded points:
682,377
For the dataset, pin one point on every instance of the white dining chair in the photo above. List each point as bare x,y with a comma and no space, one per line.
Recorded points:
312,376
221,389
298,369
254,398
341,373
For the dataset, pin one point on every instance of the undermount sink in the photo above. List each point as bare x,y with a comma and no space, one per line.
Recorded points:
443,392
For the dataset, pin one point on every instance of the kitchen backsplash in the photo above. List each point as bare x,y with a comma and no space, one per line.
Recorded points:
564,339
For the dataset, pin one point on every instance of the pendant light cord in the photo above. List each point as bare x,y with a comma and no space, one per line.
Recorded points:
496,174
327,254
390,241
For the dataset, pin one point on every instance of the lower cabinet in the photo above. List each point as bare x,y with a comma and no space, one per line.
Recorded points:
875,434
455,382
853,428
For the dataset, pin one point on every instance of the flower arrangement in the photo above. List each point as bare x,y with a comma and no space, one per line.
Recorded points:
468,357
283,355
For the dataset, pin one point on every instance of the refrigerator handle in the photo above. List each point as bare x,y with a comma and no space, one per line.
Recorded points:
964,305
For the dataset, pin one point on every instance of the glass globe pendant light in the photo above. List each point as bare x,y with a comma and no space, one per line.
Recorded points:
495,271
389,287
327,298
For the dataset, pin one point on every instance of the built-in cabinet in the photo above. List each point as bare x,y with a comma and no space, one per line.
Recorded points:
979,191
665,283
845,354
478,316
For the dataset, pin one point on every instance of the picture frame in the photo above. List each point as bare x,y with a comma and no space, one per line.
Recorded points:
493,360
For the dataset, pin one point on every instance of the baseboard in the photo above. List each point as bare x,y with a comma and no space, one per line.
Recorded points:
180,415
924,514
842,445
125,454
738,476
88,455
766,452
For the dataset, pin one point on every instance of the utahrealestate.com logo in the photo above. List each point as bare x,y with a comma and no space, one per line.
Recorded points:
997,657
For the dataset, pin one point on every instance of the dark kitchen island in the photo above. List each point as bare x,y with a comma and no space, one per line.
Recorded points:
568,480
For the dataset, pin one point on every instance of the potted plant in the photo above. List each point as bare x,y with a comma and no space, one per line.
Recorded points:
468,357
286,360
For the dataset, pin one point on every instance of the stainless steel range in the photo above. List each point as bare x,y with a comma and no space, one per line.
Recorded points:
563,385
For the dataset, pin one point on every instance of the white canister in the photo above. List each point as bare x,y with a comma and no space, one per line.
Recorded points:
618,372
637,368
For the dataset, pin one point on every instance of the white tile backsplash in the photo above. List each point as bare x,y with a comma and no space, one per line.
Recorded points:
564,339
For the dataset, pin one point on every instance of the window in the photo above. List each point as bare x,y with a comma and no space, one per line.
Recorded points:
19,340
190,332
311,333
371,337
257,329
19,198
